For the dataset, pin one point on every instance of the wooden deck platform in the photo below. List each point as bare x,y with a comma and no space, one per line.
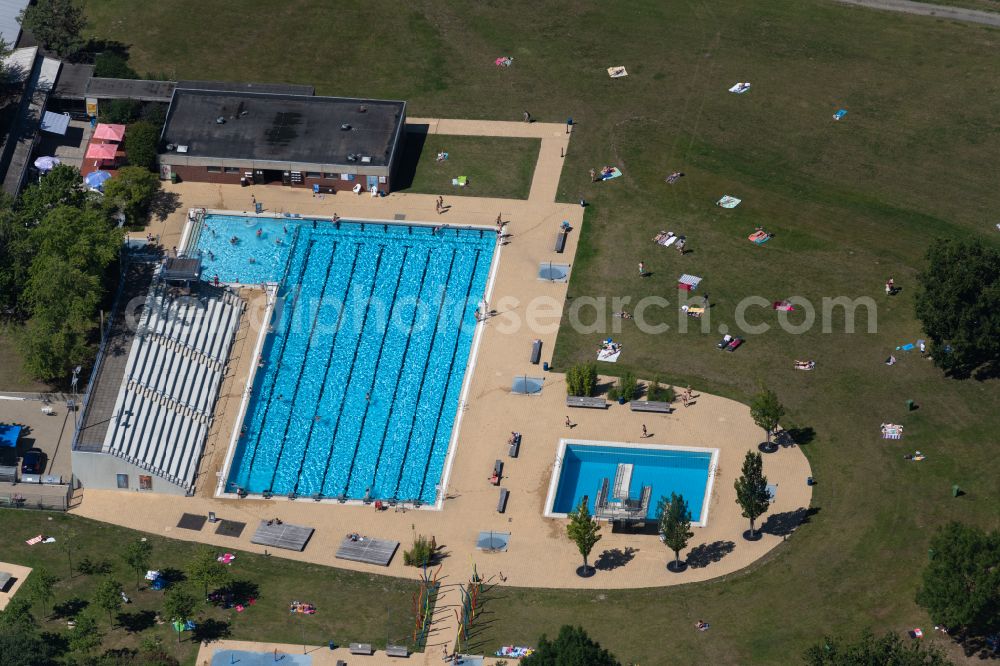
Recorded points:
289,537
368,550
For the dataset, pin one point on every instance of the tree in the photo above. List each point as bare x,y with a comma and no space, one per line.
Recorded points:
120,111
62,186
57,24
141,142
961,584
86,635
206,570
887,649
959,305
108,597
675,525
751,490
39,587
25,648
131,191
67,544
136,555
585,532
767,411
17,616
572,647
178,606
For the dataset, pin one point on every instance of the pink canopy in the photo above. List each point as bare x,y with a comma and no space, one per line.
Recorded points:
109,132
101,151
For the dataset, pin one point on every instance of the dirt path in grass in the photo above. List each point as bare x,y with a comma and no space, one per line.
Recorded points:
924,9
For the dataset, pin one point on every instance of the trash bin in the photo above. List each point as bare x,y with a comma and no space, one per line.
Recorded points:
545,366
955,490
909,405
809,481
173,177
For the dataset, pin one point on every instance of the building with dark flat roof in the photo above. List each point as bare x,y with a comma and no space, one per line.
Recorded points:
238,136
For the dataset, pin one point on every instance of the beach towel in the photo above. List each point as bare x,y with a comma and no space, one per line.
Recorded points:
461,181
840,114
514,651
759,237
907,347
740,88
808,366
784,306
615,172
32,541
728,202
665,238
693,311
504,61
617,72
609,356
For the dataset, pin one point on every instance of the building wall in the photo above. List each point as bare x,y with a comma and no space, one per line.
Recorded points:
203,175
101,470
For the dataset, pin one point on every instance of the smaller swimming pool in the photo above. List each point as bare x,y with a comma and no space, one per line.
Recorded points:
582,467
245,658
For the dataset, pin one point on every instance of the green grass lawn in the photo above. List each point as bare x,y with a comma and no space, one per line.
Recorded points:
351,607
12,376
495,166
851,203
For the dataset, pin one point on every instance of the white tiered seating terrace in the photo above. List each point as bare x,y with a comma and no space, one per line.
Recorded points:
172,377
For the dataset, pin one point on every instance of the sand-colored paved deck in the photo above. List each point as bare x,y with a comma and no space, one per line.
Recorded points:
20,574
321,654
539,554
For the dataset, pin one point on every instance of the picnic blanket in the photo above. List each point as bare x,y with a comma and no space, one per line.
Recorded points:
759,237
617,72
909,346
32,541
740,88
728,202
514,651
614,173
840,114
609,356
666,238
892,431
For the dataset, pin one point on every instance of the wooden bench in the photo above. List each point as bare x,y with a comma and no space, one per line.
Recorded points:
502,504
584,401
362,648
396,651
650,406
536,351
560,241
515,446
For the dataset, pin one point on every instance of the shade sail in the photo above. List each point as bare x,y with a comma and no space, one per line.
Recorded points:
9,435
101,151
107,132
55,123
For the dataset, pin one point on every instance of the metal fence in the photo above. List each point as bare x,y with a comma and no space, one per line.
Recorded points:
52,498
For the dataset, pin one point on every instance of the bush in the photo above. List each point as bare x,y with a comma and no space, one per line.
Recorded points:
581,379
658,393
113,65
141,141
119,111
627,388
421,553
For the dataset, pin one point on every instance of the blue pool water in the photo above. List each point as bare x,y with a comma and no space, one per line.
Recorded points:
362,372
666,470
245,658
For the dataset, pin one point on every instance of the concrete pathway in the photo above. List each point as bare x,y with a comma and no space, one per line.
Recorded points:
924,9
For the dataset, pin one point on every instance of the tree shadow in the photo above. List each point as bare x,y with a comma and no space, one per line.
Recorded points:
69,608
93,47
172,576
709,553
237,592
614,558
783,524
163,204
137,621
210,630
795,436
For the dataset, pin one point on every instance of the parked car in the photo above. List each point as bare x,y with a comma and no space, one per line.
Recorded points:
33,462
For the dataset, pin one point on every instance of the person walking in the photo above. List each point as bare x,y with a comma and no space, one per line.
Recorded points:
527,117
569,424
593,176
642,269
644,433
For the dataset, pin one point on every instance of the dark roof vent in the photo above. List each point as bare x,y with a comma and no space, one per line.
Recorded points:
352,158
345,127
221,120
362,108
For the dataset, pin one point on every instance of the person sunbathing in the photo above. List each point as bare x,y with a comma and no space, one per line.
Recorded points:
623,315
805,365
674,177
607,171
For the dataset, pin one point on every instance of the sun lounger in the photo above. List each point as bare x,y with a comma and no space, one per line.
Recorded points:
536,351
502,503
561,241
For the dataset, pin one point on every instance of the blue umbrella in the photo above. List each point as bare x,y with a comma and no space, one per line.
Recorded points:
95,179
44,164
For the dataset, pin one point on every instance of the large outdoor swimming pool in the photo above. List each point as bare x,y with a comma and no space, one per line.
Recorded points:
361,375
583,467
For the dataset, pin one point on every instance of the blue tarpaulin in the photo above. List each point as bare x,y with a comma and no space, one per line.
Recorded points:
9,435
